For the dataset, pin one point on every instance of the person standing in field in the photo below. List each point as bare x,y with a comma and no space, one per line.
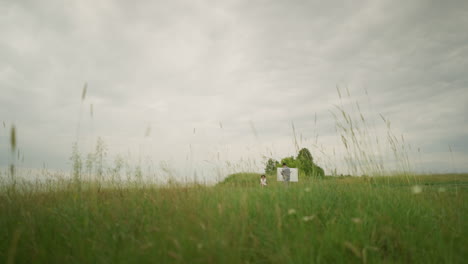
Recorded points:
286,173
263,181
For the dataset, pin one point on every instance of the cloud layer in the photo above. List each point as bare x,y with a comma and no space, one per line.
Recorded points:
230,77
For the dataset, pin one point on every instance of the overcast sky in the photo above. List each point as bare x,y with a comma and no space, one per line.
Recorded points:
180,81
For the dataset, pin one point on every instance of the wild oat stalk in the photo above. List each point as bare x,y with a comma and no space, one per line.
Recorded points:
13,149
363,149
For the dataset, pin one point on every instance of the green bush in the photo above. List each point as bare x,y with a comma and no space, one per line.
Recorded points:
304,162
271,166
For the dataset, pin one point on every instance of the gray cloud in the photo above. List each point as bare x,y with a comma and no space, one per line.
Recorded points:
180,65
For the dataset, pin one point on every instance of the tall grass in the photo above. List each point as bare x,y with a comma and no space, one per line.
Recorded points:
366,150
338,220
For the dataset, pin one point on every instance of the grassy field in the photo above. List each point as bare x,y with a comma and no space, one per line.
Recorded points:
334,220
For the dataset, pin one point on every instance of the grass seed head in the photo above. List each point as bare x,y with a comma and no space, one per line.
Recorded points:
13,138
83,93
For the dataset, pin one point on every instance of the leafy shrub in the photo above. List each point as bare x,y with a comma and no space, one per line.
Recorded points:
304,162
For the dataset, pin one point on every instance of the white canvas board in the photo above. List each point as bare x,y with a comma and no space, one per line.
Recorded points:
293,178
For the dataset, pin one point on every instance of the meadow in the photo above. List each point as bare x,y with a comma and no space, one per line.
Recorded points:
417,219
96,216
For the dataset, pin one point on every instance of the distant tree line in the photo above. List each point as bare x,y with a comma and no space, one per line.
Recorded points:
304,162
